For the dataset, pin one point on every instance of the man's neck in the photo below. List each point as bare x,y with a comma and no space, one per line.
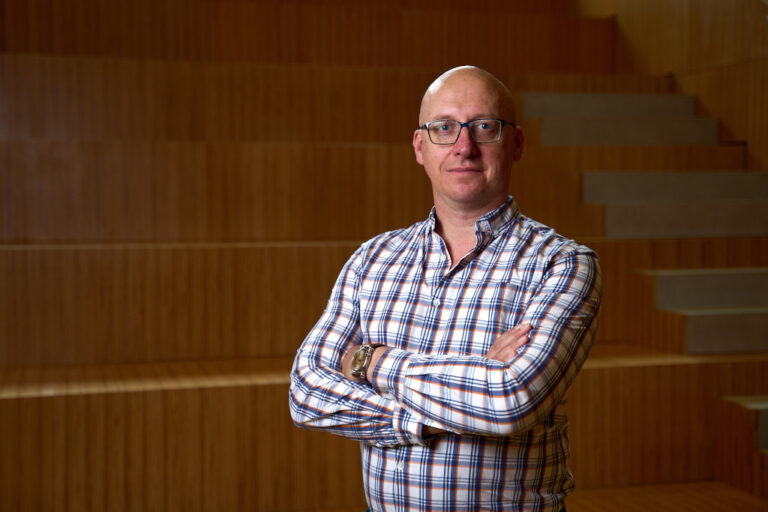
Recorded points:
457,226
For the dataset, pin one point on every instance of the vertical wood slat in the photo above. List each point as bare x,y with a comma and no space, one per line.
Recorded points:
134,191
636,421
718,51
633,420
91,304
113,304
619,261
196,449
738,458
330,33
107,98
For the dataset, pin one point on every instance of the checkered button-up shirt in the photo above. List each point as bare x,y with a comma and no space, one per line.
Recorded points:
506,446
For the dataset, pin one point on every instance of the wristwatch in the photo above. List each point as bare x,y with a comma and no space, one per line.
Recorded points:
361,360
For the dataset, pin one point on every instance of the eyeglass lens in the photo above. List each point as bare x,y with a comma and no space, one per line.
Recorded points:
481,130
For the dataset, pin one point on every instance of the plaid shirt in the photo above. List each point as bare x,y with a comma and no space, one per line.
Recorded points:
507,445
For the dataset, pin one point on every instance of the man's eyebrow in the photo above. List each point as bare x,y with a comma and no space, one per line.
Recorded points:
485,115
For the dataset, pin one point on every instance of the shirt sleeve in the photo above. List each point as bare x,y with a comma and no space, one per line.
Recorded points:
321,397
481,396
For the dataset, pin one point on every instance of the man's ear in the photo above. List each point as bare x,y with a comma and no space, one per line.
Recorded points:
519,144
417,141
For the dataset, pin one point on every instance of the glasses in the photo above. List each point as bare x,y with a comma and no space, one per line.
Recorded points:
447,131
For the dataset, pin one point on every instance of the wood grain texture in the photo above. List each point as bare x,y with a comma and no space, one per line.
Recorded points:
68,305
737,450
200,449
700,496
72,304
197,436
144,191
65,98
623,298
647,419
328,33
717,50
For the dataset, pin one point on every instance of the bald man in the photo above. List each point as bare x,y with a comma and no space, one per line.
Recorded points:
447,347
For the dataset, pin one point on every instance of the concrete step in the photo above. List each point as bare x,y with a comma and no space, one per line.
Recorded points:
711,288
638,131
725,330
606,187
575,119
681,219
742,447
758,404
602,106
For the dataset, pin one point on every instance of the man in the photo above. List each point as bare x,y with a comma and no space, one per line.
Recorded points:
446,348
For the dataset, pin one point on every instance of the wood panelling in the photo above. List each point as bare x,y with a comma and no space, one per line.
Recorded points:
199,449
113,303
700,496
737,450
203,438
717,50
648,419
623,299
144,191
93,98
84,191
66,305
738,94
347,33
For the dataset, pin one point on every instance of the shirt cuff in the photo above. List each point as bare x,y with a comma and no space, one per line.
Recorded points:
407,427
388,374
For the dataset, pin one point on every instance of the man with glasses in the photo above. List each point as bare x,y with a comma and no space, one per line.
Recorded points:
447,348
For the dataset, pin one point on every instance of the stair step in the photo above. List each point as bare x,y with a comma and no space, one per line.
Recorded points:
333,33
160,100
758,404
681,219
741,450
607,187
710,287
567,131
698,496
60,425
574,119
603,106
723,330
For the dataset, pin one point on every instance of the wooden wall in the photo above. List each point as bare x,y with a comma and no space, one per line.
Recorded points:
180,181
717,50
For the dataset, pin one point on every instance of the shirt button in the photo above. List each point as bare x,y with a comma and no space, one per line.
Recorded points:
400,466
436,302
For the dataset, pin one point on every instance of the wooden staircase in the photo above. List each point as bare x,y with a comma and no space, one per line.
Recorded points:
180,183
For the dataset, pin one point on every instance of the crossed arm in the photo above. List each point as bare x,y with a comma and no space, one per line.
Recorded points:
409,396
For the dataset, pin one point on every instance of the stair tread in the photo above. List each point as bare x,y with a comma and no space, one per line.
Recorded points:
699,496
28,382
752,310
46,381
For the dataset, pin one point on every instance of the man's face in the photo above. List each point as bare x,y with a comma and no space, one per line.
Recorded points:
467,175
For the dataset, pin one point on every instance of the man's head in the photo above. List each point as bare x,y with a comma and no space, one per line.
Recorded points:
468,175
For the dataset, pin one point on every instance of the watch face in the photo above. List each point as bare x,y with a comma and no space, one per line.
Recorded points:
358,359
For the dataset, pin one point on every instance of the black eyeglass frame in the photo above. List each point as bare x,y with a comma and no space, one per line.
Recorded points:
504,123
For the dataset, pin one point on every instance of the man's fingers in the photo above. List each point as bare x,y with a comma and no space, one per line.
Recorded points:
506,345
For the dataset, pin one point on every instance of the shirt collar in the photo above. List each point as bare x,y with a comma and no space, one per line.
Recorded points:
494,223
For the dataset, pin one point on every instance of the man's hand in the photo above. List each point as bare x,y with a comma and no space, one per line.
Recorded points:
346,361
505,347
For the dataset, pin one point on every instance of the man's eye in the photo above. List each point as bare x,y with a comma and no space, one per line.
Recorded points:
484,126
444,127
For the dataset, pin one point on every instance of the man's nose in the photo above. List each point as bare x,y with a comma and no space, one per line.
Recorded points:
464,144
